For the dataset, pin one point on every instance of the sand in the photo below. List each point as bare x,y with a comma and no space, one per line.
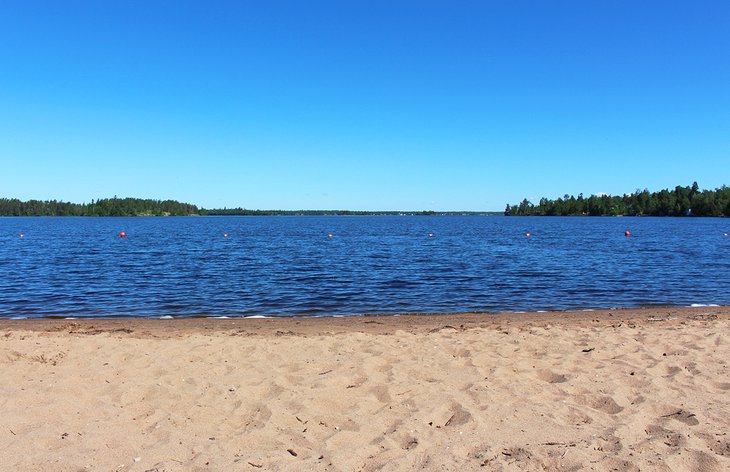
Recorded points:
605,390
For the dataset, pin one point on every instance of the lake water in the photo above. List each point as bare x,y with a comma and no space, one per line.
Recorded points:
290,266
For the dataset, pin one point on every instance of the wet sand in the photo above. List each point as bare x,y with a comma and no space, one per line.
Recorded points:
604,390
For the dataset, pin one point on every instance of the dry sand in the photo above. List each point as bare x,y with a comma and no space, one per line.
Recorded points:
609,390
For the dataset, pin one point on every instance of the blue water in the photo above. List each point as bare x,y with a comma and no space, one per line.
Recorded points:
289,266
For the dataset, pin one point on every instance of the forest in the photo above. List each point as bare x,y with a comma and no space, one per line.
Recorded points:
682,201
102,207
148,207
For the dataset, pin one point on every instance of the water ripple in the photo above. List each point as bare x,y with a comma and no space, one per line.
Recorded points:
288,266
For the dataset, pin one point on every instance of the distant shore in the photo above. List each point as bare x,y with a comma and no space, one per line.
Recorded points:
150,207
612,389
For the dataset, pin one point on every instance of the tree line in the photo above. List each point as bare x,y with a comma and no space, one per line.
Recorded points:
149,207
682,201
102,207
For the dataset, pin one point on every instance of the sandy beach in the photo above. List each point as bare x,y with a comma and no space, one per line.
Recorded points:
604,390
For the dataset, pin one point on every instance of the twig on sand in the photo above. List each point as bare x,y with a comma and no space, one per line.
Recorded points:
325,372
679,413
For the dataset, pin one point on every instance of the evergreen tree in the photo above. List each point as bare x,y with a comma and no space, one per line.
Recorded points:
682,201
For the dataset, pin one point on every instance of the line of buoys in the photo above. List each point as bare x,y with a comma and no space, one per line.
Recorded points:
330,235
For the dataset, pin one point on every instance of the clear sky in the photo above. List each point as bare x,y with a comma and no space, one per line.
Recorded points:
368,105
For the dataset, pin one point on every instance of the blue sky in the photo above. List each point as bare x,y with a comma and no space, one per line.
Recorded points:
447,105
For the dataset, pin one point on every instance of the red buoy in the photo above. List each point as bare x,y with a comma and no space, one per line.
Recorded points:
627,233
122,234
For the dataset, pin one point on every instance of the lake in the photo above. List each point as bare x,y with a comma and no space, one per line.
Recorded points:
329,266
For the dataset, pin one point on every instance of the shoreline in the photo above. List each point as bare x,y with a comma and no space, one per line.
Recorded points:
372,324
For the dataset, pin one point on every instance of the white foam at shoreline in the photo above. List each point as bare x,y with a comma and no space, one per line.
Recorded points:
698,305
166,317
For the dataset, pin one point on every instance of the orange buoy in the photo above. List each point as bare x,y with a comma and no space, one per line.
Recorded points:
627,233
122,235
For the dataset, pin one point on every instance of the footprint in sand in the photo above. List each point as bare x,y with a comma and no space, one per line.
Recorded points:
256,418
551,377
458,417
408,442
668,437
381,393
700,460
720,446
602,403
